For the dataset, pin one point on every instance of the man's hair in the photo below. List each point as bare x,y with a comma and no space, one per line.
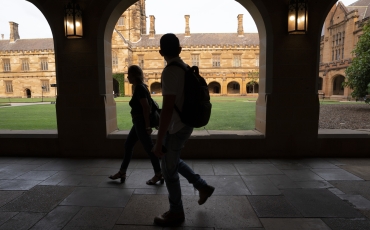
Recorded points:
170,45
136,72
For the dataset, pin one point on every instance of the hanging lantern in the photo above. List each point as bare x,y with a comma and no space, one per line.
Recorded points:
297,17
73,20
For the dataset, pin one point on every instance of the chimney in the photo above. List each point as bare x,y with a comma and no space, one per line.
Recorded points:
240,26
187,28
14,35
152,27
2,36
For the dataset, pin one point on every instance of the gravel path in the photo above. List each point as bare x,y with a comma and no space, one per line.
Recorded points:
345,116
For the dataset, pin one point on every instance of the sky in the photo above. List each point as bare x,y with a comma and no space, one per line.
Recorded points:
220,18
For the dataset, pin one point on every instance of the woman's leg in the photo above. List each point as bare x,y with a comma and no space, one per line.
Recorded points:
147,142
129,148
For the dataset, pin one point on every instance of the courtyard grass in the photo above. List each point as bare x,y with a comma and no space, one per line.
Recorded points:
228,113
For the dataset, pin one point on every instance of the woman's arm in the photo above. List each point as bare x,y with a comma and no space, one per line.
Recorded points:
146,111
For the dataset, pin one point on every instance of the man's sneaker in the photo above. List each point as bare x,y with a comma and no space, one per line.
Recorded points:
170,218
204,193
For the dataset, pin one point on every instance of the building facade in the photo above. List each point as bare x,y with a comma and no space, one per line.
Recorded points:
341,32
228,61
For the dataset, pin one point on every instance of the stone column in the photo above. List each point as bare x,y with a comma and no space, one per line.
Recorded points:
187,27
152,27
240,26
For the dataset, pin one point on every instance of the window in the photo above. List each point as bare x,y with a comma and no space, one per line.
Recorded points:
45,86
195,59
343,38
342,53
333,40
114,59
236,86
336,39
237,60
340,38
121,21
25,65
8,86
44,64
216,60
332,55
6,65
257,60
338,58
141,61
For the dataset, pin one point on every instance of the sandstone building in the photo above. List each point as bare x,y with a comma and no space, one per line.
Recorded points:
342,29
228,61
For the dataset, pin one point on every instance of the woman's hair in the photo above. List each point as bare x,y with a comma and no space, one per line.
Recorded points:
136,72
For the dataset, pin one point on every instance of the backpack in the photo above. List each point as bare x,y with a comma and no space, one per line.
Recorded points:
154,110
196,110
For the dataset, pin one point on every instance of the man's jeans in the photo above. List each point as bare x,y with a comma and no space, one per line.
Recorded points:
138,132
172,165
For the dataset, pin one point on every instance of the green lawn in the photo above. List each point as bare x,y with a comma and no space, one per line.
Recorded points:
228,113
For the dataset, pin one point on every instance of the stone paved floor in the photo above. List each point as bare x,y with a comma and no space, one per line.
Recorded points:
264,194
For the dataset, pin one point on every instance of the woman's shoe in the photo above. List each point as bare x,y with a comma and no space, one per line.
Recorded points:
155,179
118,175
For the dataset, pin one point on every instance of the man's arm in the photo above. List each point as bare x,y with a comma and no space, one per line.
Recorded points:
164,121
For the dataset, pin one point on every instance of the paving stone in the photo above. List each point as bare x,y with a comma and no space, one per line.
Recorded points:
314,184
98,197
185,191
301,175
37,175
22,221
273,206
347,224
355,161
293,224
83,180
94,218
336,191
39,199
145,191
318,164
57,218
257,169
356,200
144,164
109,171
203,169
227,185
7,196
288,164
319,203
138,178
219,211
18,184
57,178
260,185
225,169
5,216
335,174
334,161
353,187
231,161
13,171
361,171
135,227
282,181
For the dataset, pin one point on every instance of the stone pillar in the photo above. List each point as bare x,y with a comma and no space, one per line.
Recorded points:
240,26
187,27
14,35
152,27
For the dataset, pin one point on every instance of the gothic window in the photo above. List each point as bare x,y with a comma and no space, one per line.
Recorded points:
343,38
44,64
338,54
195,59
45,85
237,60
114,59
342,53
6,65
332,55
25,65
121,21
8,87
141,61
340,38
336,39
333,40
216,60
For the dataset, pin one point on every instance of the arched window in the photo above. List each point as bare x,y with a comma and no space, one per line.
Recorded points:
114,59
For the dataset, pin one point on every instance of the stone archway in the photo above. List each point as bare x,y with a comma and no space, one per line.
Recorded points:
156,88
116,91
319,84
338,88
214,88
252,88
28,93
233,88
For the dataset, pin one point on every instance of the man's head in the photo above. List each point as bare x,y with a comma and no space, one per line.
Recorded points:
170,45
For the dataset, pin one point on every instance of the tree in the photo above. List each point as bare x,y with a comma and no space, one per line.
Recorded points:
358,73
